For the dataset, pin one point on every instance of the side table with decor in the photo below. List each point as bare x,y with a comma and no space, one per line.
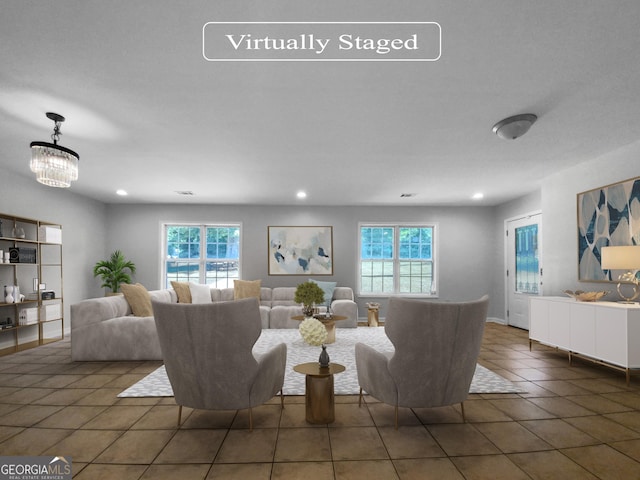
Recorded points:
319,396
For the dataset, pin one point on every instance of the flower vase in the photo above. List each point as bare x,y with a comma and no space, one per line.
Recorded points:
324,358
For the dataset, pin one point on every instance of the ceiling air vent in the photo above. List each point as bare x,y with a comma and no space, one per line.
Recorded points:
407,195
184,192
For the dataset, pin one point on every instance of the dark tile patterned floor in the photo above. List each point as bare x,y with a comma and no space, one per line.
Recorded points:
573,422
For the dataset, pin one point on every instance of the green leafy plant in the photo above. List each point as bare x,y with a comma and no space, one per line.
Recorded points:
114,271
308,293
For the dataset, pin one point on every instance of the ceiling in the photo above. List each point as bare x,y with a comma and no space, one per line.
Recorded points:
148,114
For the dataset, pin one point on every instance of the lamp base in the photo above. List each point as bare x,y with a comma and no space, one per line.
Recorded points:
628,279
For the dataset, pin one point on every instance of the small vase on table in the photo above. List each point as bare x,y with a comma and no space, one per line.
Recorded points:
324,358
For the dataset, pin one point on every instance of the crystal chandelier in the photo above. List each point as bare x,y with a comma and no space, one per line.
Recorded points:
54,165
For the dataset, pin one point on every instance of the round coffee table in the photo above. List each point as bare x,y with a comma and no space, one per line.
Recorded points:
319,397
328,322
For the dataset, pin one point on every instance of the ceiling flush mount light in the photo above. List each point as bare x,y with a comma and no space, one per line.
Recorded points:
514,127
477,196
301,194
54,165
121,192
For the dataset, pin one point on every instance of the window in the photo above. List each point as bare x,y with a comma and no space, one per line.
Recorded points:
527,264
207,254
397,260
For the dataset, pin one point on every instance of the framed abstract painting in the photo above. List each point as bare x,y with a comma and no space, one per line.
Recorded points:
300,250
607,216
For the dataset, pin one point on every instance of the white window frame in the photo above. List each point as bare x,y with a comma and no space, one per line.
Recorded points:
396,261
202,261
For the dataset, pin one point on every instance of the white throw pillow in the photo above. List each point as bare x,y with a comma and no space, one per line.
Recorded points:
200,293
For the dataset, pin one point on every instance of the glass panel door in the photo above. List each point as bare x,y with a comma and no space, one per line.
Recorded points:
527,275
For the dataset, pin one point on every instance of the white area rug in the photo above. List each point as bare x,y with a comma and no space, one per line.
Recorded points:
156,384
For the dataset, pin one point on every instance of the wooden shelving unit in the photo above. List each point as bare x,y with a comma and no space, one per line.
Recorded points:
33,321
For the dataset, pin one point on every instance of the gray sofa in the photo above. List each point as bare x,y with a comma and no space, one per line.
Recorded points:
105,329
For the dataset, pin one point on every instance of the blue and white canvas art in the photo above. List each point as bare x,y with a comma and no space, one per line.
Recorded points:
606,216
300,250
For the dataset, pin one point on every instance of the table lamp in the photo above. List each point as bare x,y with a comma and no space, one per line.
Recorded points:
623,258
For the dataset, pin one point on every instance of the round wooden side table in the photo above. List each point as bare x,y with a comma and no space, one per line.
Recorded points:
319,397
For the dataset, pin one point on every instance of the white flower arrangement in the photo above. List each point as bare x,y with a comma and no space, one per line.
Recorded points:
313,331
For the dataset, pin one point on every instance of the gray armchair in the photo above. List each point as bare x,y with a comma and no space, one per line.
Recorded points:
207,351
436,349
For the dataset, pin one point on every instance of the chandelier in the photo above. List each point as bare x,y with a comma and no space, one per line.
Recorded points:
54,165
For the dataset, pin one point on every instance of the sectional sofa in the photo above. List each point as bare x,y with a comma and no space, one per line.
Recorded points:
105,328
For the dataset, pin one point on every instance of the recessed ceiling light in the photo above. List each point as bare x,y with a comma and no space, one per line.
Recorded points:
122,193
478,196
301,194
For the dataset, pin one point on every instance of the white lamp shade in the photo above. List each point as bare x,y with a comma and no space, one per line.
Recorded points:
621,258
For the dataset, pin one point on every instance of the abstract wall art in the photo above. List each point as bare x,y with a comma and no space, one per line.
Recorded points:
607,215
300,250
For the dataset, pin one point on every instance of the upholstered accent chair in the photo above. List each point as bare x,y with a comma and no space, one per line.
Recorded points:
207,351
436,349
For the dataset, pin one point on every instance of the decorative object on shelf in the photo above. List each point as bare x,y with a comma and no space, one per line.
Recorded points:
12,294
606,217
300,250
18,232
624,258
1,235
583,296
308,294
314,333
7,257
8,294
53,164
22,255
513,127
114,271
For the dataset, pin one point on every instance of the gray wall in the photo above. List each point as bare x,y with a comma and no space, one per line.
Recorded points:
83,230
471,241
466,241
559,218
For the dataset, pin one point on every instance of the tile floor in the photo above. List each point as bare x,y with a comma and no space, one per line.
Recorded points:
578,422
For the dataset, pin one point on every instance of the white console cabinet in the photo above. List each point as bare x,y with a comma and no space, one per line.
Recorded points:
605,332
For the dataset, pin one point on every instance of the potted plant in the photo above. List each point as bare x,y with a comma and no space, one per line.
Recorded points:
308,293
114,271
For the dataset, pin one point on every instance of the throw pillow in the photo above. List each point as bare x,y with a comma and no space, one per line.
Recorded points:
138,298
182,291
246,289
200,293
327,288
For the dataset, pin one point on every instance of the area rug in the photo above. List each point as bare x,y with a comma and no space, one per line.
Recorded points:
156,384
